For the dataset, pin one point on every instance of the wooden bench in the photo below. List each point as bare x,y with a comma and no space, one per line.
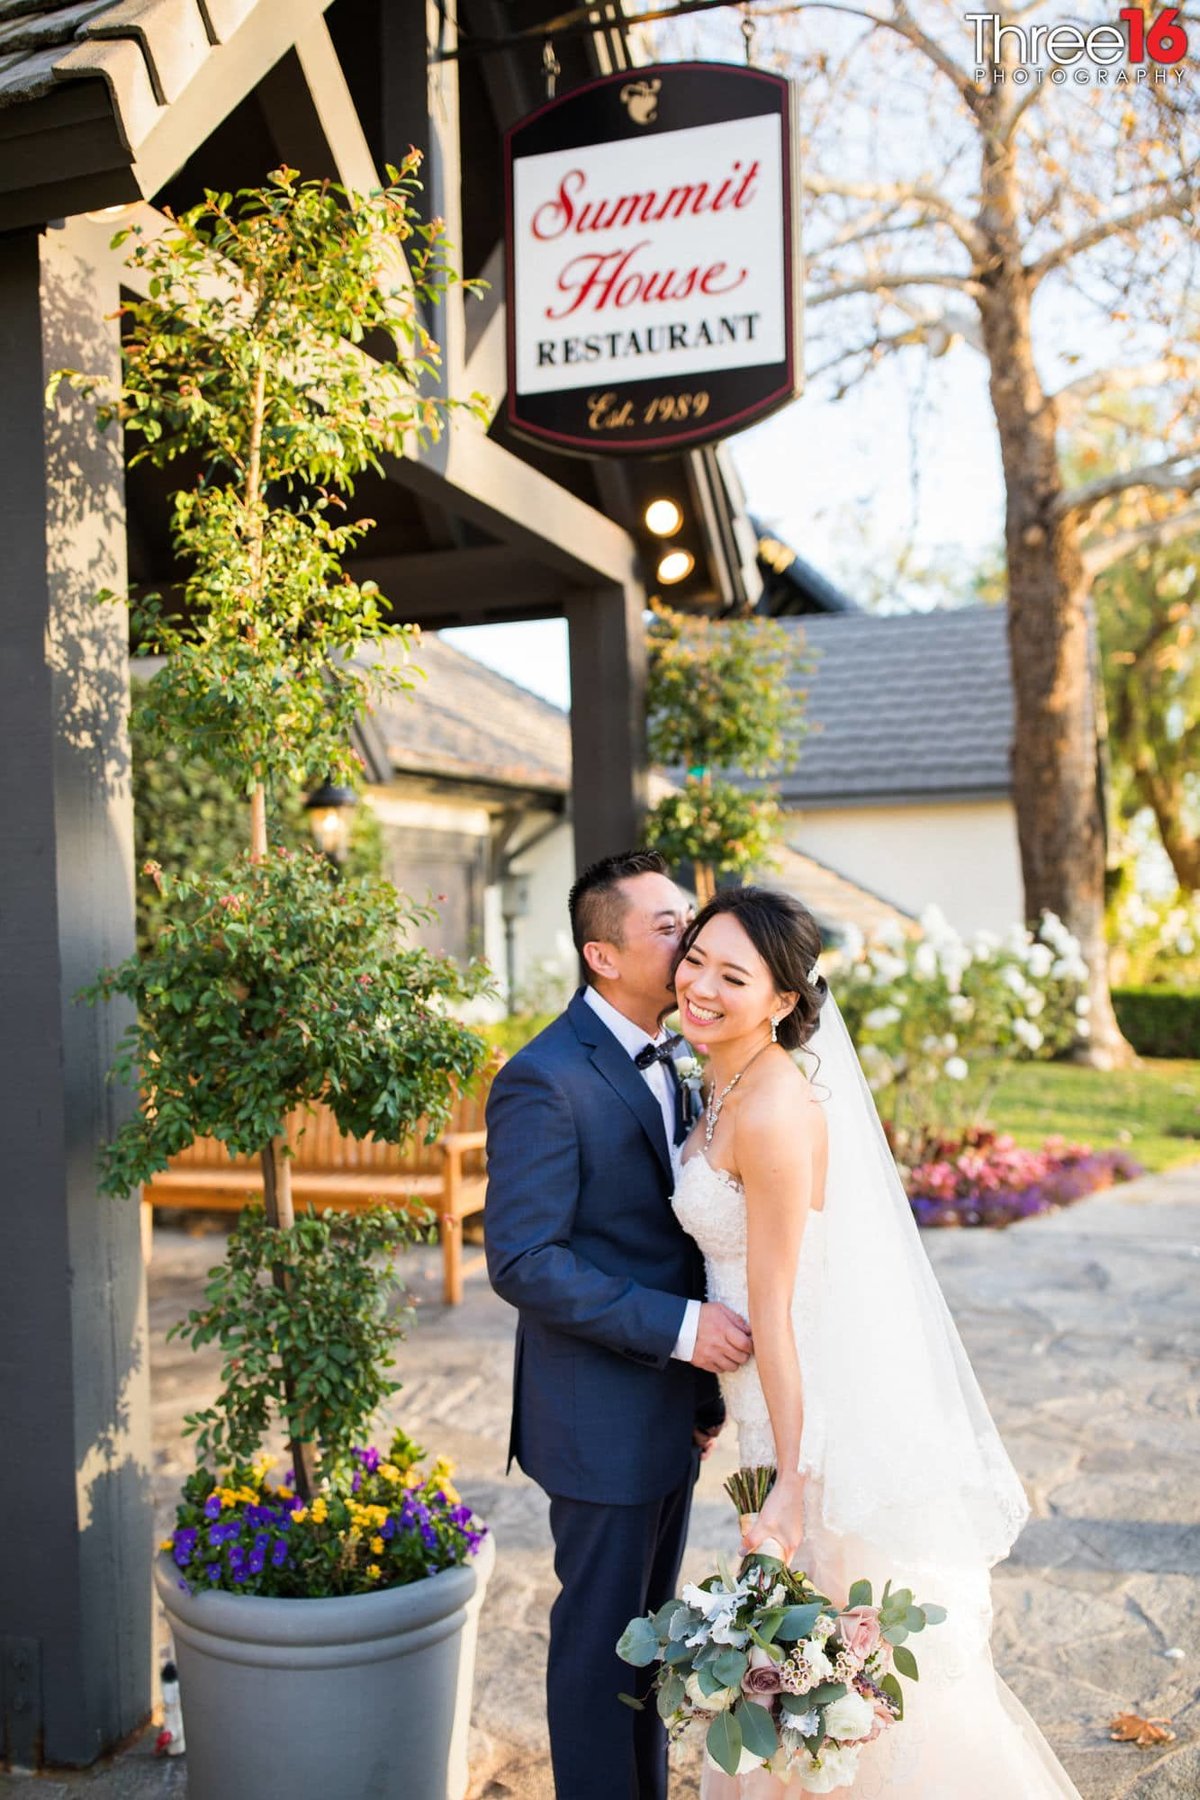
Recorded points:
329,1169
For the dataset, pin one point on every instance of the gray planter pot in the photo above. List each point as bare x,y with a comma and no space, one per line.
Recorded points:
350,1699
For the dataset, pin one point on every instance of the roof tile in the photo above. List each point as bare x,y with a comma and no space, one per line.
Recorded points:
905,705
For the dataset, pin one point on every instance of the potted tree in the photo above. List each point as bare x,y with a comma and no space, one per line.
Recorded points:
318,1618
722,700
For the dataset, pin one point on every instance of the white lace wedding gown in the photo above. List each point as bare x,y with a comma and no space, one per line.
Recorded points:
964,1735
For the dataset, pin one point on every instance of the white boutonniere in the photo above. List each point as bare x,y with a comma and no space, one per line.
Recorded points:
690,1071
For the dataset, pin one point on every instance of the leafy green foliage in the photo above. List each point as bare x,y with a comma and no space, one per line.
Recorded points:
246,354
730,829
311,1299
1160,1021
272,984
191,821
723,697
268,983
722,693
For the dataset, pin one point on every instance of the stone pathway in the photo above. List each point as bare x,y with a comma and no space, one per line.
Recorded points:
1085,1332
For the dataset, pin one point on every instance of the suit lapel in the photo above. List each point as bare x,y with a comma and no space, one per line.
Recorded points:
622,1075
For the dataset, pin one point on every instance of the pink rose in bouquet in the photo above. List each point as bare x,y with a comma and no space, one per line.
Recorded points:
859,1632
762,1678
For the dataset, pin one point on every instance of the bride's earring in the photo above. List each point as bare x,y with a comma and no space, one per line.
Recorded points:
774,1028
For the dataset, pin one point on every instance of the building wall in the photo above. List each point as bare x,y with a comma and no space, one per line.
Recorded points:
442,846
547,967
963,856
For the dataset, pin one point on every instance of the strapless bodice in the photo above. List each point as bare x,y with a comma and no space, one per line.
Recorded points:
710,1204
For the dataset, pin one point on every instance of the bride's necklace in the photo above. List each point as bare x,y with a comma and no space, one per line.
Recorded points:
712,1109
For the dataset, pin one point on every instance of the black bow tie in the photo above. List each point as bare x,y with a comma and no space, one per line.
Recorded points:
655,1053
686,1103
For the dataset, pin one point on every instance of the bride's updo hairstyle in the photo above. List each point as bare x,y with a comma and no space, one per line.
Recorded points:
788,939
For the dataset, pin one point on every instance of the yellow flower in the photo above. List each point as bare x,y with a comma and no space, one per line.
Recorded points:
412,1478
167,1544
374,1571
228,1497
389,1472
286,1493
443,1468
451,1492
320,1510
376,1546
299,1516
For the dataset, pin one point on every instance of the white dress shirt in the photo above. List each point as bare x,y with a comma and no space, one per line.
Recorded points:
633,1040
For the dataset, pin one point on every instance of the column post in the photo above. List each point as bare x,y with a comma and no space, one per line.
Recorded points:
75,1600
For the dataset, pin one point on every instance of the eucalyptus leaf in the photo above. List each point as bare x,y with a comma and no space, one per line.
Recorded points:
730,1667
906,1662
638,1643
895,1693
724,1741
797,1622
670,1695
934,1615
759,1735
860,1594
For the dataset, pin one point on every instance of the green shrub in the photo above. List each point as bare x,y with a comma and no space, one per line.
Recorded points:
1160,1021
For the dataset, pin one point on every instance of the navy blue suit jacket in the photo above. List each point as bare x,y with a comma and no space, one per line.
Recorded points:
581,1239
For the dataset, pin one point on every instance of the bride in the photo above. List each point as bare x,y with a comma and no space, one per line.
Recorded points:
859,1391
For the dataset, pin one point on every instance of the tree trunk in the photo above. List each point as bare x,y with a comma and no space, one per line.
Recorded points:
1164,795
277,1198
1056,786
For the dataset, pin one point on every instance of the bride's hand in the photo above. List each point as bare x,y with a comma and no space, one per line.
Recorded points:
781,1518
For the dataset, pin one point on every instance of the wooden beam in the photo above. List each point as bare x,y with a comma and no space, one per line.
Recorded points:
476,586
490,487
443,185
608,721
335,109
229,72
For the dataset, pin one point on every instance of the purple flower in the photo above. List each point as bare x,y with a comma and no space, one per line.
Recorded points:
279,1553
212,1507
256,1563
213,1571
183,1555
369,1458
388,1528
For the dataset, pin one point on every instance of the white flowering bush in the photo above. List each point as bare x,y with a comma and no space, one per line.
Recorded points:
926,1011
1156,938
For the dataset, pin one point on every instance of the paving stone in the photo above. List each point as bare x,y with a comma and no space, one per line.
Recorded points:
1085,1333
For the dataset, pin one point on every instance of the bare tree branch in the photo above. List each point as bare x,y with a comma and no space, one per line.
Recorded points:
1113,381
906,193
884,282
1104,552
902,22
1164,475
1169,206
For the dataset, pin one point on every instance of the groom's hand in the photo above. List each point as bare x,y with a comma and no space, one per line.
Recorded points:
722,1339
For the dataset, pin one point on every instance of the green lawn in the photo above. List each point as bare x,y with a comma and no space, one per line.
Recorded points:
1158,1105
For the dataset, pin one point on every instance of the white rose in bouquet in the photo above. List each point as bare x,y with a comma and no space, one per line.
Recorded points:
747,1762
712,1703
837,1768
850,1717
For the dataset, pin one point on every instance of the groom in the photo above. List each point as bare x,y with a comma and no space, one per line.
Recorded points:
615,1395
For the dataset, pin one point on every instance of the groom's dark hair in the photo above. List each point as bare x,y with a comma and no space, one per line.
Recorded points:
596,903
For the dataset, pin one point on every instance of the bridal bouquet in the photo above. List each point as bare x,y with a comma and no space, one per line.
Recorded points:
774,1674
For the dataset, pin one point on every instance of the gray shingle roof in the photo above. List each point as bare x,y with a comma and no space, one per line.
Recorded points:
467,722
913,705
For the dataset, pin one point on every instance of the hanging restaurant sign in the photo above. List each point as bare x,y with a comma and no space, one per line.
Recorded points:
653,271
